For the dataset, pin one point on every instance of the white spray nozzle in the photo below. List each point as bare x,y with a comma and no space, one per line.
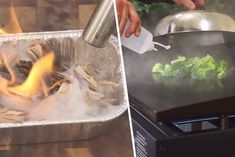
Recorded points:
155,49
167,47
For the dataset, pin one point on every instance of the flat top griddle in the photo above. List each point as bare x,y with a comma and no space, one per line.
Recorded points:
167,99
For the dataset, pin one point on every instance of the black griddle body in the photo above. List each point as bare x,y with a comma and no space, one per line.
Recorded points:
155,105
159,140
169,99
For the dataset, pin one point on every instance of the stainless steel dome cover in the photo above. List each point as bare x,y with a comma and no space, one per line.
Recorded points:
190,21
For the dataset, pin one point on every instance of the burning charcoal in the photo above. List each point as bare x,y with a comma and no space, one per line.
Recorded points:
108,86
64,51
41,48
22,70
35,53
40,70
65,57
11,116
105,63
108,83
51,45
67,49
25,64
92,97
92,83
56,86
95,95
8,61
4,73
64,88
60,69
101,90
90,70
24,67
57,78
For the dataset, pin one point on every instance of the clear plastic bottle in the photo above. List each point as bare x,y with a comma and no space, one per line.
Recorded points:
139,44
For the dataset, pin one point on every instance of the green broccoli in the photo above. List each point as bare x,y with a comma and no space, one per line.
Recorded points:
222,70
157,68
196,68
203,68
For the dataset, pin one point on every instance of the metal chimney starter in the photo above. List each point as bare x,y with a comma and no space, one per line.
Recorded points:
100,25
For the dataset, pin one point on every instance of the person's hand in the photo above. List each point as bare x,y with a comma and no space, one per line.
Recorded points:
125,11
190,4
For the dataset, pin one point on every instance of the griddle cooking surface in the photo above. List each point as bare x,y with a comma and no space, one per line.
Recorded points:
166,99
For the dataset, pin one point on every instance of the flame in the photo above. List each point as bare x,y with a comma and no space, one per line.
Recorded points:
2,31
13,26
35,81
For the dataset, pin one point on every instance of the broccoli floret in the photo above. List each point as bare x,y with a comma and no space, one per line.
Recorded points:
168,71
222,70
197,68
179,60
157,68
203,68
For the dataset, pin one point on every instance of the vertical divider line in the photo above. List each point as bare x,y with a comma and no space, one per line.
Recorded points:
125,90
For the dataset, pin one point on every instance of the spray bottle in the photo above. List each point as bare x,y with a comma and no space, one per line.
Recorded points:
143,43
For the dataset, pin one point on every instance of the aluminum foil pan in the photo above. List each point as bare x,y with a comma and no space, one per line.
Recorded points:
64,130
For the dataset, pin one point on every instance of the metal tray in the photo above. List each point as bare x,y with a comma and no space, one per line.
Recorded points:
63,130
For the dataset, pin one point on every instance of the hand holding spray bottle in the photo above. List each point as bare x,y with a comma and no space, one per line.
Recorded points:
143,43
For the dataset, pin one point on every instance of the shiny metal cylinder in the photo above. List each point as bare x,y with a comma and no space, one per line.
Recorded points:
195,21
100,25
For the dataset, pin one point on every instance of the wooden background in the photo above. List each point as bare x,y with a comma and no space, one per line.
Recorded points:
48,15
